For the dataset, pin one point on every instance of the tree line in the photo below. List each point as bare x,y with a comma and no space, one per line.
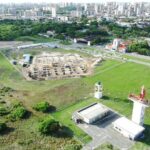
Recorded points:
12,29
98,32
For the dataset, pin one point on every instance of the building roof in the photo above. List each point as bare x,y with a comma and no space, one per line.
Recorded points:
93,111
129,126
26,57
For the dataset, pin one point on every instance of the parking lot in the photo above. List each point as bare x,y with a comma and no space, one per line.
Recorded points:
102,132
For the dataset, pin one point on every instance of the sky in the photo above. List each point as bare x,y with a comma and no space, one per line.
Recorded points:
56,1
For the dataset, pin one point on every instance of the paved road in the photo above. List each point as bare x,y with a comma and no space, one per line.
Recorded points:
139,62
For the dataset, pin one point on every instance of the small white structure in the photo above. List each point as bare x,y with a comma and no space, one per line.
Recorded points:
75,40
128,128
92,113
98,90
89,43
26,58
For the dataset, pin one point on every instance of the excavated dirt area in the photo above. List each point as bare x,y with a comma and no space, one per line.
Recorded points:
48,66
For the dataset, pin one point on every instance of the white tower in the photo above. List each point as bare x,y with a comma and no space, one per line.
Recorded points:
98,90
54,12
96,9
139,106
85,7
116,44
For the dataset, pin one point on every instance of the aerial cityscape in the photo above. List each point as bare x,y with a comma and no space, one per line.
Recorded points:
74,75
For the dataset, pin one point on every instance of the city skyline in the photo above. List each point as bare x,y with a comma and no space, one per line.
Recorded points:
77,1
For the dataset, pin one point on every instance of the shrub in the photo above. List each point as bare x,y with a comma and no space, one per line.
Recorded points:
3,111
6,89
3,126
18,113
16,104
73,147
49,125
42,106
106,146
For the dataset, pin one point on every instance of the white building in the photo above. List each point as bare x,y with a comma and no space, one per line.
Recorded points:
54,12
91,113
128,128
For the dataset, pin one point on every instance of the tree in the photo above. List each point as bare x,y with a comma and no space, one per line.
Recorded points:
3,126
49,125
42,106
94,23
18,113
139,47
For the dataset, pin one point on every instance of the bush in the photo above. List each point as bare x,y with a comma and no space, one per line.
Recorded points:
18,113
3,111
106,146
16,104
6,89
73,147
49,126
3,126
42,106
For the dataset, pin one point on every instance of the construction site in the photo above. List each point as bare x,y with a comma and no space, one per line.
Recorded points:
48,66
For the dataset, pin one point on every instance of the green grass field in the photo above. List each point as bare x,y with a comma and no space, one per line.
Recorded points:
118,78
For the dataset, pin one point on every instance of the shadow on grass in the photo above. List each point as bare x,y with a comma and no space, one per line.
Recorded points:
64,132
51,109
146,139
7,131
124,100
105,97
27,115
115,99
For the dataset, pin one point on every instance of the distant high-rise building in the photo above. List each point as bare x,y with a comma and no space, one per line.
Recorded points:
54,14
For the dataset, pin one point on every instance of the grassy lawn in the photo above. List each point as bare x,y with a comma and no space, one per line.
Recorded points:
69,95
118,81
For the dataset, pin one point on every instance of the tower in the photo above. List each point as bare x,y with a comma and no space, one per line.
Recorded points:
54,12
116,44
139,106
98,90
